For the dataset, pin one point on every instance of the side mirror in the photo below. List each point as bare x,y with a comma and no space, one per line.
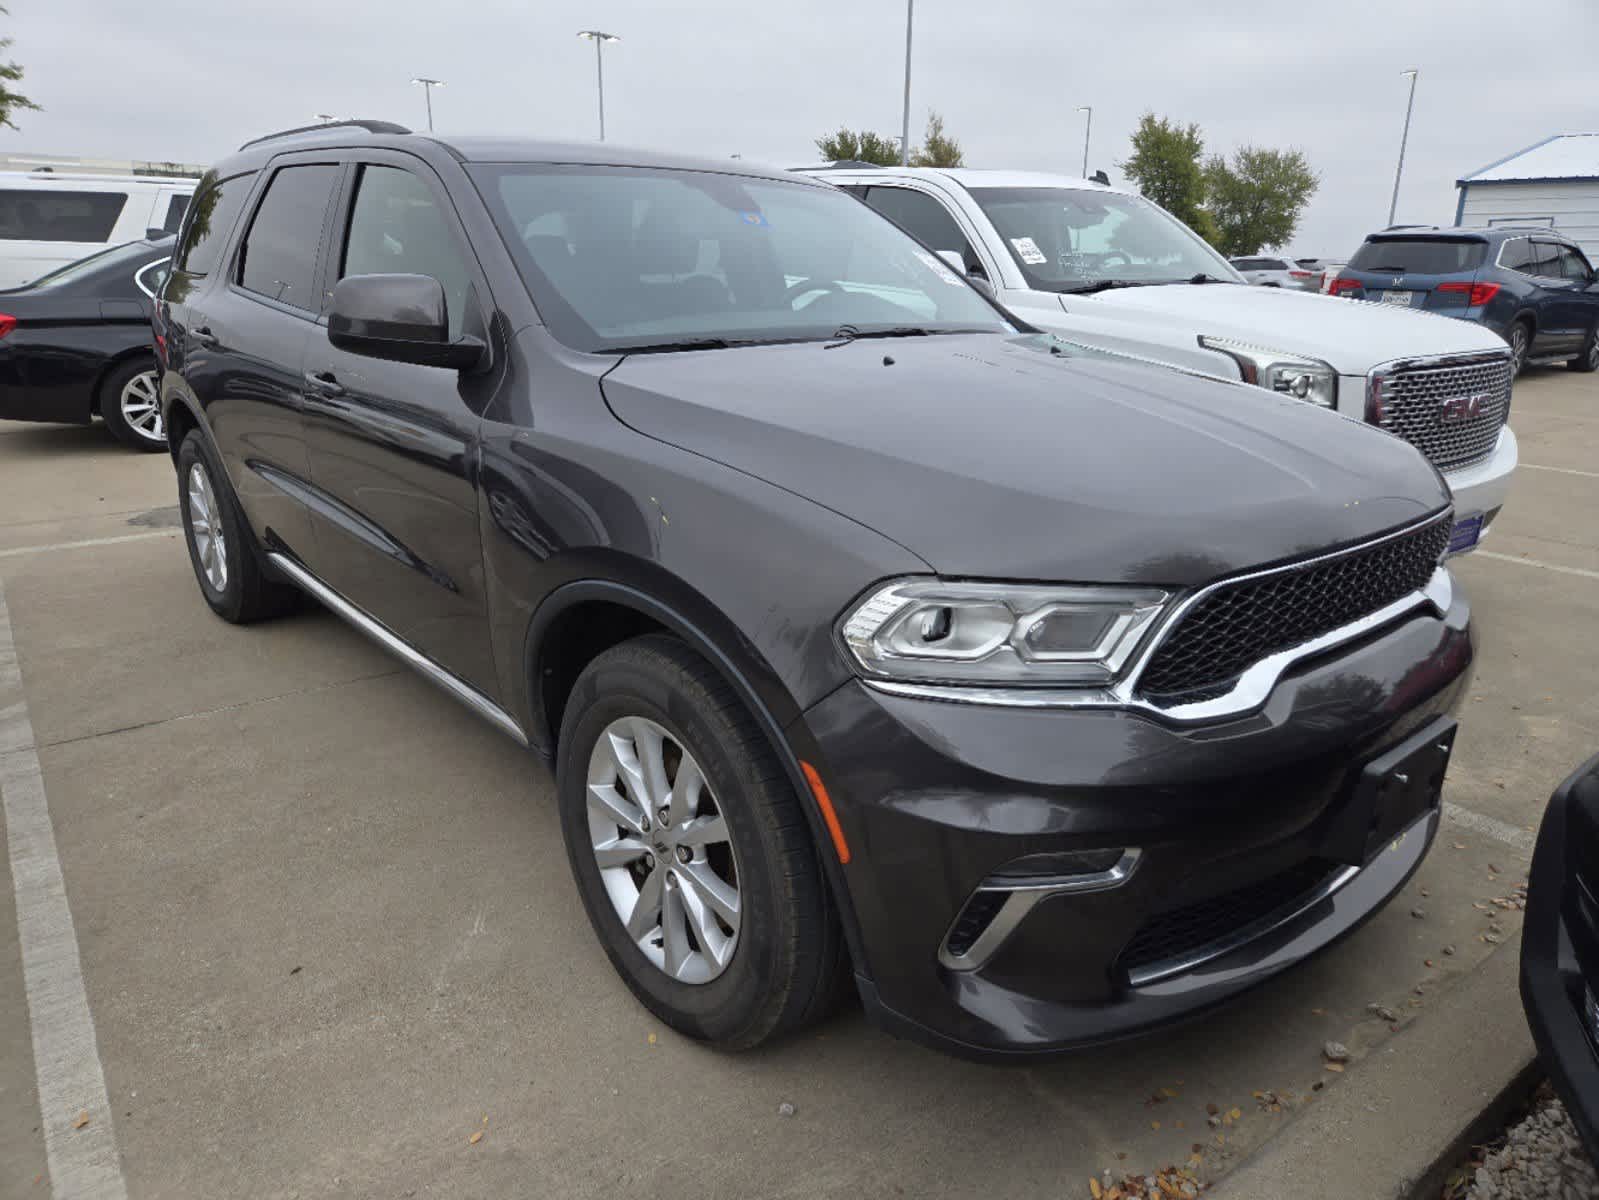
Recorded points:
402,318
975,276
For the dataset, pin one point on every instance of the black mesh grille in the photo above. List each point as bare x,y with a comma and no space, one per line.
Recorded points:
1451,412
1238,624
1184,931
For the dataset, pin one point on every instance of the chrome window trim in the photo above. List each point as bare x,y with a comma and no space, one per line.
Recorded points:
138,276
1427,826
1252,688
1021,899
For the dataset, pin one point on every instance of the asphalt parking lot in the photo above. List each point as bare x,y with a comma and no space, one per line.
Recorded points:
327,933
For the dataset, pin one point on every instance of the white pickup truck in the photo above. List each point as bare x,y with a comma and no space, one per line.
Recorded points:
1104,267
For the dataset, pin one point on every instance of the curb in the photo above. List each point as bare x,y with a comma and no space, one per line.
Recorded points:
1407,1112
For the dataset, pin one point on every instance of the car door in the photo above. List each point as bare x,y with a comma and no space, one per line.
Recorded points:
1558,307
926,219
244,325
393,446
1580,278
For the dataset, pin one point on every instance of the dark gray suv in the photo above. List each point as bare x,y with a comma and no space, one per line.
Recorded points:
872,635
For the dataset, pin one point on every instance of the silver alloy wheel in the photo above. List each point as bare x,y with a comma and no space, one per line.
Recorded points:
205,522
140,404
663,850
1518,347
1593,350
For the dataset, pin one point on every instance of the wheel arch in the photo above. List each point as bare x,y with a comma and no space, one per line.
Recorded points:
113,364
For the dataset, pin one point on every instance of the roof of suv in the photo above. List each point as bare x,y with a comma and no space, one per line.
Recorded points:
974,177
1455,233
386,135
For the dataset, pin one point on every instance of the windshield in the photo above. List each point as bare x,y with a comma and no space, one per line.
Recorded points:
130,253
1066,239
626,257
1419,256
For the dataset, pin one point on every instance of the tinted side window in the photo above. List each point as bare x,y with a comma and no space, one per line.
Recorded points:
176,207
1516,254
1573,265
924,218
396,228
279,255
1545,260
215,211
40,215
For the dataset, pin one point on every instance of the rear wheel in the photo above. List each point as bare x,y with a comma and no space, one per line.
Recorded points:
690,849
130,405
1588,359
1520,339
227,564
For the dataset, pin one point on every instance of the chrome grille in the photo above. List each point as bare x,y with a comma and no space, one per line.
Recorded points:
1451,411
1232,626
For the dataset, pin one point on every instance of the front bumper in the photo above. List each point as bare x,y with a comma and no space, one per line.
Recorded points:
934,797
1560,959
1483,487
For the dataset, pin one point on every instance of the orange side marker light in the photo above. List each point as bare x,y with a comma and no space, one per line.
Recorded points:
825,803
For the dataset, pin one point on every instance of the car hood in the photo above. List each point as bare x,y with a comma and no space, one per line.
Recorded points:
989,456
1352,335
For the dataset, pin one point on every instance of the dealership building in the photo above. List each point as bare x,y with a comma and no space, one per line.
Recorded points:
1555,183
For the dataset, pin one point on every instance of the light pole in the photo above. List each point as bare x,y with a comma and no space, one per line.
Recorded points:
599,37
427,90
905,130
1393,204
1088,128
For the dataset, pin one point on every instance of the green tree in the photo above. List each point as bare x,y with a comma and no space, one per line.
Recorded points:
1165,164
938,148
10,73
858,146
1256,197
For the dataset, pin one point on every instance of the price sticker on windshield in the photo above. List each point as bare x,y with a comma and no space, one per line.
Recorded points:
1027,250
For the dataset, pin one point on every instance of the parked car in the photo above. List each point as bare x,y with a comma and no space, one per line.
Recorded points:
868,629
1319,269
1560,948
49,220
1532,286
1275,272
1102,266
76,344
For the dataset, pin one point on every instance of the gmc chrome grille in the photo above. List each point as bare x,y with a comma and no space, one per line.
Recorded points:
1451,411
1234,625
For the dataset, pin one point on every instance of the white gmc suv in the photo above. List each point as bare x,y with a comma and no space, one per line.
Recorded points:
1106,268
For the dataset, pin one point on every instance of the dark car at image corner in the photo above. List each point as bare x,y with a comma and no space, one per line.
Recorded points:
1560,948
870,633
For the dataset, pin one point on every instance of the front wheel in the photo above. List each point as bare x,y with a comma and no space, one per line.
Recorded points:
227,565
1588,360
1520,339
690,849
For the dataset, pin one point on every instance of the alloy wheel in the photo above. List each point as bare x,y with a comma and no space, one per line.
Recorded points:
1593,351
1518,348
663,850
140,404
205,524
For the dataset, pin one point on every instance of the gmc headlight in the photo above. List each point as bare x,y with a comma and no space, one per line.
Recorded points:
929,631
1287,374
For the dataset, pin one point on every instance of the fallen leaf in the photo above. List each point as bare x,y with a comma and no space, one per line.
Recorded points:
1339,1067
1318,1012
475,1138
1172,1092
1460,845
83,1119
485,1120
1094,1189
652,1039
1212,1109
1154,1124
1237,1114
1178,1124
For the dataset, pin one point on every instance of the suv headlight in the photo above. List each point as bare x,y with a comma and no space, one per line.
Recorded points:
930,631
1287,374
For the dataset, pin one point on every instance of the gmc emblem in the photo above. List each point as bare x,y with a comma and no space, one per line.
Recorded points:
1462,408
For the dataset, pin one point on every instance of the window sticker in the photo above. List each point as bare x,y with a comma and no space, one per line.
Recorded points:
1027,250
755,218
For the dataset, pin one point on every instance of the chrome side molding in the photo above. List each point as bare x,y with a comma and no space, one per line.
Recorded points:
399,647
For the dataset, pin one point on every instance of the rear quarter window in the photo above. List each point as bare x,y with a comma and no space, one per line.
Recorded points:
42,215
1419,256
210,220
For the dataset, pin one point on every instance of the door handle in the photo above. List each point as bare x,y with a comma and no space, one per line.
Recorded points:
203,336
324,383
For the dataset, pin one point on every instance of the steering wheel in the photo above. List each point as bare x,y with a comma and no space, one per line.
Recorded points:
806,286
1122,260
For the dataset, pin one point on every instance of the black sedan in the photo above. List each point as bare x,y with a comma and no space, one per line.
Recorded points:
1560,948
76,343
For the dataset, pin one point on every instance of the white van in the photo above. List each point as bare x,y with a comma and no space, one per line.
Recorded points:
48,220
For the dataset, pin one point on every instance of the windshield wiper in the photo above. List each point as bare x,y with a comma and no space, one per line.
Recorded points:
699,343
1204,278
848,333
1104,285
1385,267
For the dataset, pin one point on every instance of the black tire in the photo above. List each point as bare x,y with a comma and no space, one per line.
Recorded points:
244,593
133,381
1519,337
787,962
1588,359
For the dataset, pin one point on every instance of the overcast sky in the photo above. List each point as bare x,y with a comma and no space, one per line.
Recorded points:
190,79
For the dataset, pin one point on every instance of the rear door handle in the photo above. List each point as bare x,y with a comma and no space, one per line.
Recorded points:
324,383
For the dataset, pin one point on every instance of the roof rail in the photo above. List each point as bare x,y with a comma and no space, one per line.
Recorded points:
368,125
1393,227
845,164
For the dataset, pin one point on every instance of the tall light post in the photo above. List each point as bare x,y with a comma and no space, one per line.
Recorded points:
599,37
905,130
1088,128
1393,205
326,118
427,86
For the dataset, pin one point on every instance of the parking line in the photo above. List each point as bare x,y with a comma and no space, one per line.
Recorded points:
1536,562
1521,839
81,1154
87,542
1561,470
